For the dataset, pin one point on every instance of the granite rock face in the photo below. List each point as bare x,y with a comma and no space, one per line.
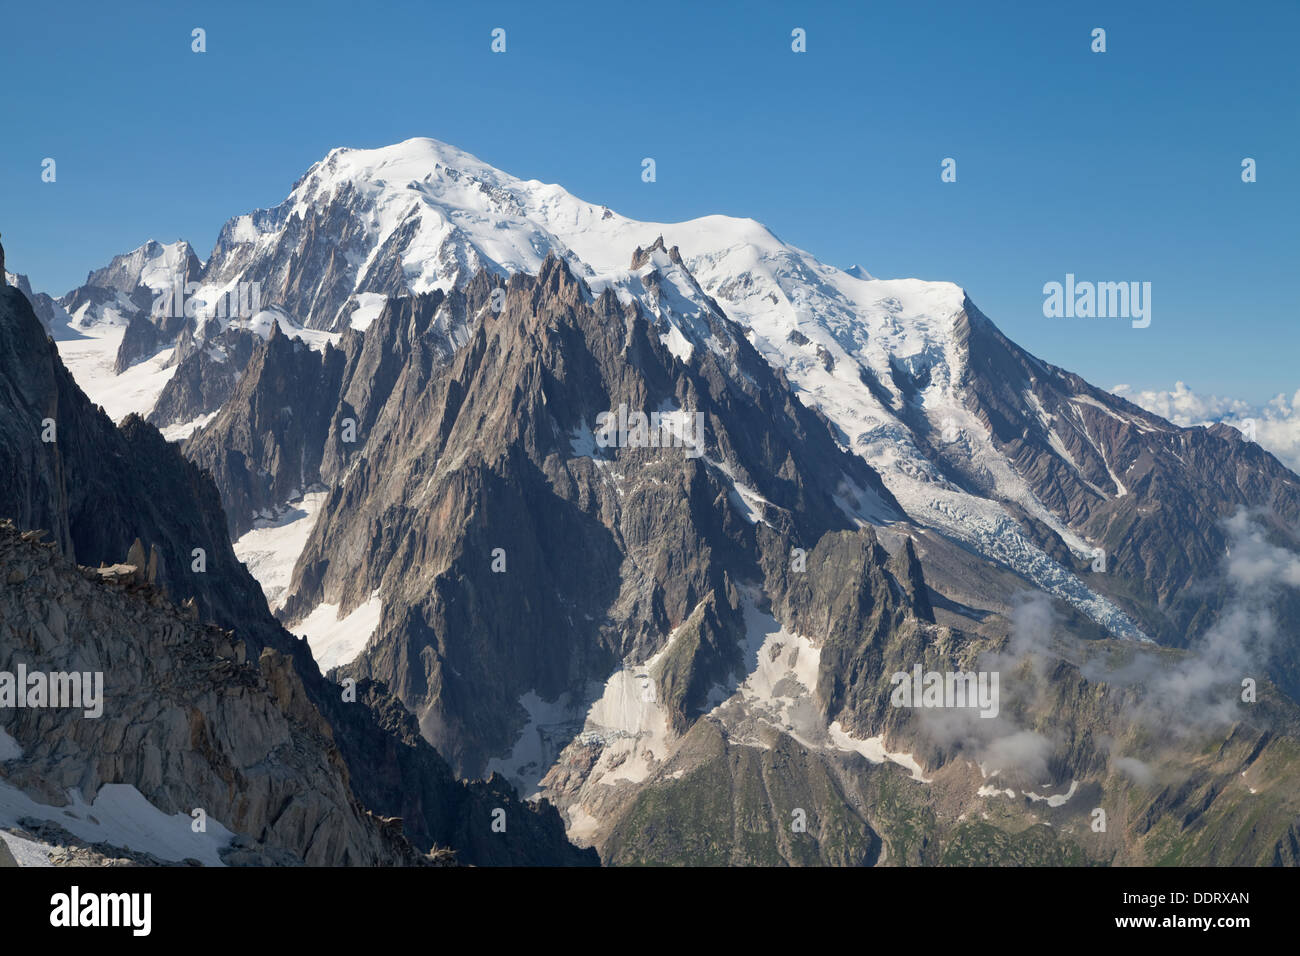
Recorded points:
605,550
515,556
207,372
265,447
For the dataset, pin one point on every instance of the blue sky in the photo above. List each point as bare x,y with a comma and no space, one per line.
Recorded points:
1122,166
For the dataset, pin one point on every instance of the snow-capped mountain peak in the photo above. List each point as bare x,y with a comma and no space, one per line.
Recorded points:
130,283
152,264
885,360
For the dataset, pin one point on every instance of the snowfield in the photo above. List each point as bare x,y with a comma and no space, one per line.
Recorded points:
120,816
337,639
90,358
271,548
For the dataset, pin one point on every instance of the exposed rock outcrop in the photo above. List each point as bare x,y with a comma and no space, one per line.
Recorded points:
186,719
98,489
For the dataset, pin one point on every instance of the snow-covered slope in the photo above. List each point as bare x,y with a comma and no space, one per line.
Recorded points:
89,356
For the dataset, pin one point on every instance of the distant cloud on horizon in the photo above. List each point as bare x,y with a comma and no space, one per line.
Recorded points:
1277,422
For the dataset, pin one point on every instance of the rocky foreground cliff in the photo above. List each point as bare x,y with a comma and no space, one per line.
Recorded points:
187,719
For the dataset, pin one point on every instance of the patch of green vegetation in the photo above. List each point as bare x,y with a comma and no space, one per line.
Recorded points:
1166,846
685,822
907,823
744,807
978,843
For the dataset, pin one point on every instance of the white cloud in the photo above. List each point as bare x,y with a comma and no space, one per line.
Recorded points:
1277,423
1138,771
